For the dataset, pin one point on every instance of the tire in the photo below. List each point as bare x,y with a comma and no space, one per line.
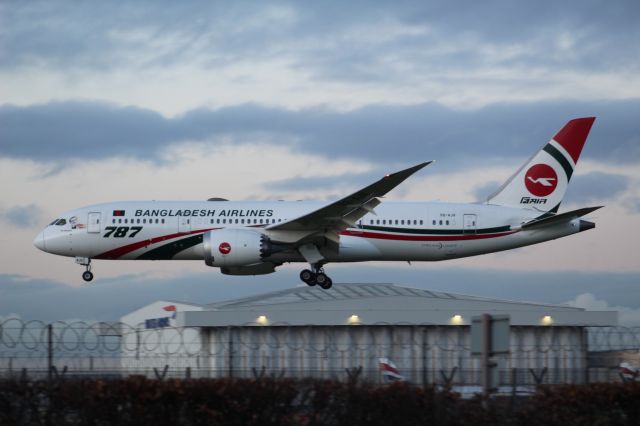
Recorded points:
87,276
308,277
321,279
327,284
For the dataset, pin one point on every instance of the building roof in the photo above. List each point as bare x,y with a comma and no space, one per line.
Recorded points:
381,304
355,292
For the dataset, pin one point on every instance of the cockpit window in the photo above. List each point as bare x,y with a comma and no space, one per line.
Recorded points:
61,222
54,222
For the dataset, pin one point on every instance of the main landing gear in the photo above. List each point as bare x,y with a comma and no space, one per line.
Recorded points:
316,276
87,275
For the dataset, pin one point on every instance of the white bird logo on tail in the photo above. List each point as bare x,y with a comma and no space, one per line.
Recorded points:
542,181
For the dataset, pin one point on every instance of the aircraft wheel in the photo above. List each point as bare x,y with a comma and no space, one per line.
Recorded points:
327,284
322,279
308,277
87,276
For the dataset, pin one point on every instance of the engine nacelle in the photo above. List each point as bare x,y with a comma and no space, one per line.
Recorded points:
235,247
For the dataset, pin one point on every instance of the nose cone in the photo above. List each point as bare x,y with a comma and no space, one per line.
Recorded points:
39,241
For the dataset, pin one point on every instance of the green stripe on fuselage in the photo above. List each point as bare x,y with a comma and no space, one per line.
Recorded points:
167,251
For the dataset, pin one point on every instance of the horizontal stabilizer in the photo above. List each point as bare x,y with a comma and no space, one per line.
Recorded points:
562,217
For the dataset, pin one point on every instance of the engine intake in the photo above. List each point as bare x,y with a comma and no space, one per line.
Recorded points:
235,247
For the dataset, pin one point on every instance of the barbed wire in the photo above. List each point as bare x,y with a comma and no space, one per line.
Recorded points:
28,337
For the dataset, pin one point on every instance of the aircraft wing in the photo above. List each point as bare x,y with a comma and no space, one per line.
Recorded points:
329,220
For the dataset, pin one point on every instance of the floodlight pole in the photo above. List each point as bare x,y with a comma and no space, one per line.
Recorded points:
486,355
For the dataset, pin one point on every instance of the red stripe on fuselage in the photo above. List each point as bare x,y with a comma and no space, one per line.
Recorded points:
405,237
121,251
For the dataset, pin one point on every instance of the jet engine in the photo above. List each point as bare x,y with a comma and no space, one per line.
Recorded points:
228,248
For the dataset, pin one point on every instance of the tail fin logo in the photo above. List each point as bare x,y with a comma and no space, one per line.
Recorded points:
541,180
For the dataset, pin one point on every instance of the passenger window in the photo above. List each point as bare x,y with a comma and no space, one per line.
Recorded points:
113,221
447,222
242,221
157,221
119,220
420,221
125,221
402,222
440,222
434,222
162,220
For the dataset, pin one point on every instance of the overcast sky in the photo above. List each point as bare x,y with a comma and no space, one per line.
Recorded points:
106,101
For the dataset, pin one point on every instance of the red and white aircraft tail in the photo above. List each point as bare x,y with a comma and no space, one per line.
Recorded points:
389,370
542,181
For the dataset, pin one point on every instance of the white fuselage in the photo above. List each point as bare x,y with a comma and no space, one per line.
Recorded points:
397,231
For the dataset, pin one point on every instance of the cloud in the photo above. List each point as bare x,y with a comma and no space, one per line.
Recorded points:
23,216
333,40
627,316
298,183
596,187
483,191
108,299
632,204
63,131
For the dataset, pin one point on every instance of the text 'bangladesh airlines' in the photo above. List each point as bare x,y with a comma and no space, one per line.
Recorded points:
255,237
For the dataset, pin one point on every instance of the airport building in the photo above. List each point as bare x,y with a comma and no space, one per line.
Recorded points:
310,332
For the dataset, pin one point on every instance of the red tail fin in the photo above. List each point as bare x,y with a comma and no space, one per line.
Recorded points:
573,136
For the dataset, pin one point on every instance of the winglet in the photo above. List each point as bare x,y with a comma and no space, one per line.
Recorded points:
403,174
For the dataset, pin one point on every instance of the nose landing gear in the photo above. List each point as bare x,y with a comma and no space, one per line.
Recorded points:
87,275
316,276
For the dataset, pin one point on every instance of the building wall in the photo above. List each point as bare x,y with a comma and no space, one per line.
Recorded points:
422,353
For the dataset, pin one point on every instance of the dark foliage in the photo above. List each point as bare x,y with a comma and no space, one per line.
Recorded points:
271,401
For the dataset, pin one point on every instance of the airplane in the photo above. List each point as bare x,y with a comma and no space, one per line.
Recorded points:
255,237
